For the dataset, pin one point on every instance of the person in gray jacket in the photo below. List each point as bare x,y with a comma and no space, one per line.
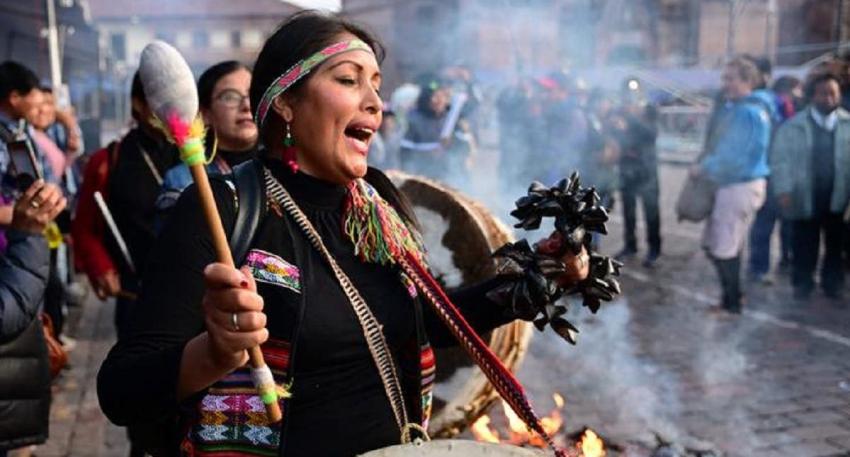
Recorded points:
810,163
24,369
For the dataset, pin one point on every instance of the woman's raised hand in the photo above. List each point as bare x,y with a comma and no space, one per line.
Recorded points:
233,314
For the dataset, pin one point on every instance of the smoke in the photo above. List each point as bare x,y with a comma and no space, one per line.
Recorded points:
607,385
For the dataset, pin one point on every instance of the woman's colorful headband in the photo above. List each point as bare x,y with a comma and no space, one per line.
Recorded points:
299,70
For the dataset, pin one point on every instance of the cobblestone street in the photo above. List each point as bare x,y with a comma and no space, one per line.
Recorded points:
772,382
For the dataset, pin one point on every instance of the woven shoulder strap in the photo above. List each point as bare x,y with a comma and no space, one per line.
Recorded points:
375,338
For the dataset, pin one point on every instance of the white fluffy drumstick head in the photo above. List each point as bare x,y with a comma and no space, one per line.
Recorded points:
168,82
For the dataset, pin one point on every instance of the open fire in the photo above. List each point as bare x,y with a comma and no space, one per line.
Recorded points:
590,445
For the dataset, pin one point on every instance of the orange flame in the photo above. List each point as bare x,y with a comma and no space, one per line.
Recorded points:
519,433
591,445
482,431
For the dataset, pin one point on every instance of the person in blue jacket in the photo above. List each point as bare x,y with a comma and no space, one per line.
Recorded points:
736,161
24,367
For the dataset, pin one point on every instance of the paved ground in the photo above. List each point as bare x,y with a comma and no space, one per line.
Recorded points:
773,382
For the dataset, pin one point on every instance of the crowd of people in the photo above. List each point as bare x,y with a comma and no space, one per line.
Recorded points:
292,188
776,153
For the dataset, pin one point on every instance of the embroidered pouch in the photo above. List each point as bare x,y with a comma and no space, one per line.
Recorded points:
271,269
230,420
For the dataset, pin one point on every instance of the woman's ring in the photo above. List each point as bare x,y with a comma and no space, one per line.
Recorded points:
34,204
234,319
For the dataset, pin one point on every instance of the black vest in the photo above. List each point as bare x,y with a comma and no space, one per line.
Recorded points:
24,389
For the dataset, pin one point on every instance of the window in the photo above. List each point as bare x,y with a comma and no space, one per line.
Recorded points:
236,39
200,39
118,45
183,40
219,39
167,36
252,39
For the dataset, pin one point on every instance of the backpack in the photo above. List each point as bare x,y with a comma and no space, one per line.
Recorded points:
248,178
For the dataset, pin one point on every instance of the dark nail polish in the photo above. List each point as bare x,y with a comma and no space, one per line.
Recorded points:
244,284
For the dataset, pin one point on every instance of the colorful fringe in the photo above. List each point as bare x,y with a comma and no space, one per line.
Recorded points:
377,231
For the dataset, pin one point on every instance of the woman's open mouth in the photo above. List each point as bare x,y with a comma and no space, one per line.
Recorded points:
358,138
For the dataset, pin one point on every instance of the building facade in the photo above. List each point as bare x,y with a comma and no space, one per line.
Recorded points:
505,37
204,31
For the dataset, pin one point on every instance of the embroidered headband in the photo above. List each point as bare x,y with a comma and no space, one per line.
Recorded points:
301,69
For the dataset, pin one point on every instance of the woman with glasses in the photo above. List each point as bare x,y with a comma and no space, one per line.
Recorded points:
231,132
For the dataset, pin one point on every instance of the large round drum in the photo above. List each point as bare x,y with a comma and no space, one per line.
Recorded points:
454,448
460,236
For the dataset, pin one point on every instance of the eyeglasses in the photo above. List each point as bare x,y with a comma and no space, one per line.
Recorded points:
232,99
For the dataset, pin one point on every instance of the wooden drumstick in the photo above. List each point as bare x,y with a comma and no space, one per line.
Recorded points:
171,93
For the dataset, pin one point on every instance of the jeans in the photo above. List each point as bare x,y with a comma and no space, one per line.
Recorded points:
806,249
761,233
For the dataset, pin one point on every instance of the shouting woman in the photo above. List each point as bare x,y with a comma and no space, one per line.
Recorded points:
322,288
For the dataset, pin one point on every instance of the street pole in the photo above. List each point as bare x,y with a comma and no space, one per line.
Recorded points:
839,27
53,46
771,38
732,25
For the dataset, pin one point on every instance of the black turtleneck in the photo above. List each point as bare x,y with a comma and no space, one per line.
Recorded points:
338,406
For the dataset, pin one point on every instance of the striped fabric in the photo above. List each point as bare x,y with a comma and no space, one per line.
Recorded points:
428,370
231,419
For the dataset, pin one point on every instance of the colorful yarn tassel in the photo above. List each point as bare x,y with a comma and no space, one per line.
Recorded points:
189,137
377,231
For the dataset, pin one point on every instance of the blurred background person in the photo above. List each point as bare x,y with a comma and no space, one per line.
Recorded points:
436,145
129,174
515,140
20,99
736,161
602,154
385,148
24,365
635,127
811,173
785,95
58,161
563,125
231,131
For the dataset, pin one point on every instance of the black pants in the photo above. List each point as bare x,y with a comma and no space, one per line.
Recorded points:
645,187
806,250
54,296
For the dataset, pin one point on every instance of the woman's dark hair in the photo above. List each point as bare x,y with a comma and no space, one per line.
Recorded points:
300,36
428,85
212,75
785,84
392,195
137,92
816,79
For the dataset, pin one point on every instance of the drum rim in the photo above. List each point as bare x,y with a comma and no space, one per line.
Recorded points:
510,342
